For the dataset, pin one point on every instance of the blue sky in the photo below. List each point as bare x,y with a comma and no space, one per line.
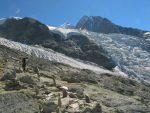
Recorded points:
129,13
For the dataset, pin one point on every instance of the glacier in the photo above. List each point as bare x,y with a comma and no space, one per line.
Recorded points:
63,31
51,55
131,54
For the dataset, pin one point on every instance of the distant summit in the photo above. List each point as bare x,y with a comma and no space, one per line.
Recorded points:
97,24
103,25
67,25
3,20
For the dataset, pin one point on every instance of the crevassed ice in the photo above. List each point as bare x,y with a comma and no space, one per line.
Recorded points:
132,54
54,56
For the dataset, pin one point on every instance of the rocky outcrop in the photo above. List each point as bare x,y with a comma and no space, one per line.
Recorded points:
78,90
25,30
79,46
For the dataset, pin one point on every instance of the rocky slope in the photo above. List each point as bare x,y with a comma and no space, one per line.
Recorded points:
103,25
31,92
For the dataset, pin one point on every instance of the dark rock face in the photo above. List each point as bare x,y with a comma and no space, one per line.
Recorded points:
97,24
89,51
26,30
79,46
103,25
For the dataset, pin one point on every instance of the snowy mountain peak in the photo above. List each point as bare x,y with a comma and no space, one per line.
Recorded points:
13,17
3,20
91,18
67,25
95,23
103,25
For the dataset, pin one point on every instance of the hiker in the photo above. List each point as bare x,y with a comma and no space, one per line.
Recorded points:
24,64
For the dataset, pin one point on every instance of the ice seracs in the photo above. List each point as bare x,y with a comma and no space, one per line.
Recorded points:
130,53
147,35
